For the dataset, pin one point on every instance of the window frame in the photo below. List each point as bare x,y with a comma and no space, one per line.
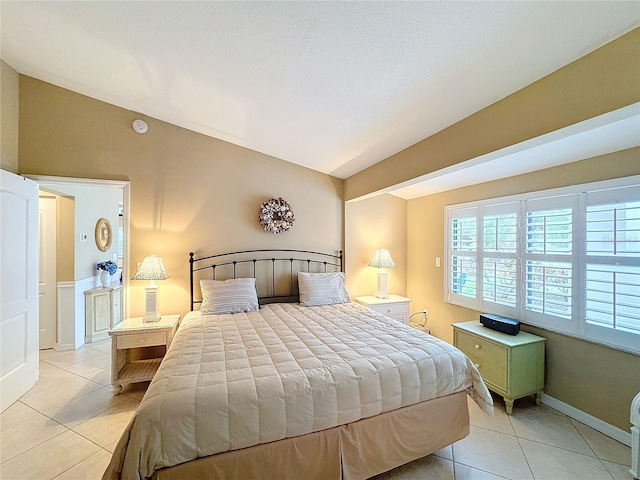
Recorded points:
576,197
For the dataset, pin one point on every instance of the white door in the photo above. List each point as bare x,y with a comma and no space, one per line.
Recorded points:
48,289
19,320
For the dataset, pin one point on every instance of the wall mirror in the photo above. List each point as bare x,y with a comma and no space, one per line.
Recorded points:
104,234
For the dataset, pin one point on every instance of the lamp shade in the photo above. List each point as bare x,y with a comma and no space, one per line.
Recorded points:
152,268
382,259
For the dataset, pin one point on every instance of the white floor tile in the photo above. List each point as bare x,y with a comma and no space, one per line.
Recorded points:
493,452
431,467
606,448
82,409
52,377
91,468
26,435
617,471
136,390
529,403
90,365
498,423
112,446
103,377
446,452
464,472
103,346
48,459
15,414
107,427
551,429
49,400
61,359
549,463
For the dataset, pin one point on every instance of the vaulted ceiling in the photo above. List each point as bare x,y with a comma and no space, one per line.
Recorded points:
333,86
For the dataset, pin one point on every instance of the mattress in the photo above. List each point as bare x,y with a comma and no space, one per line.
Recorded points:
230,382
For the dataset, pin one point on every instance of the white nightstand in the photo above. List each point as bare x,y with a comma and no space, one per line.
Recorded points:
395,306
128,338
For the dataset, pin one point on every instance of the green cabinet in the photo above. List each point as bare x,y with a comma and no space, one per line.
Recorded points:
511,365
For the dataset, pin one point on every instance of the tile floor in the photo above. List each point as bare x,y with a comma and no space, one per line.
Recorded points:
67,426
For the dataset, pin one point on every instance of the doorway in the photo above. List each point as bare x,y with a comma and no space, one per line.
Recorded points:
80,204
47,289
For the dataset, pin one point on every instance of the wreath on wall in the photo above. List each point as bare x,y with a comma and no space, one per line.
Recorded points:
276,215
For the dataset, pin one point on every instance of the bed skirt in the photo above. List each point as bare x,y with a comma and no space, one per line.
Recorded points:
354,451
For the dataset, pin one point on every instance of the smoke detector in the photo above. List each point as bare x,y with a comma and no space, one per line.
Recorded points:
140,126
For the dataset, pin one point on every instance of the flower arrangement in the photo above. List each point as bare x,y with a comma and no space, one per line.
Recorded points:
107,266
276,215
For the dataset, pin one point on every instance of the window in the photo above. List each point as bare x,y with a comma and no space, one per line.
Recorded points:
462,263
567,260
499,265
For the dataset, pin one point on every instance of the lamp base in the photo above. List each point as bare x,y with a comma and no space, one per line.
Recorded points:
382,285
151,317
151,313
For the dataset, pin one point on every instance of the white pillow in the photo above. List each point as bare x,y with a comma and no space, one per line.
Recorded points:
228,296
322,288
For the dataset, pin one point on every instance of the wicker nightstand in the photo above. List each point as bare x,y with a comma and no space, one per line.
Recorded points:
130,336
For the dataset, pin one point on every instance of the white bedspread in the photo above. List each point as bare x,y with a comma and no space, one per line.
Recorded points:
233,381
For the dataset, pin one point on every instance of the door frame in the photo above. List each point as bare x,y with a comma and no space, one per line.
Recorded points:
54,183
47,206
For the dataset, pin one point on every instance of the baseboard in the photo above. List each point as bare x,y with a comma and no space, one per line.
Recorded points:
589,420
64,348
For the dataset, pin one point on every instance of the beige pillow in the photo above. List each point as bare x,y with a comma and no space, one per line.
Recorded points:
228,296
322,288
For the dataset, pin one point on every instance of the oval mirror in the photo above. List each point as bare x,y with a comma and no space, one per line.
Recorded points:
104,234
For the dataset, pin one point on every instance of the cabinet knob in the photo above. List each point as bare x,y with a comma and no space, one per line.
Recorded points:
477,346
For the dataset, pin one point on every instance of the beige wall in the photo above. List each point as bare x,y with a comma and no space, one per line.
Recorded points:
602,81
9,108
378,222
606,373
65,245
189,192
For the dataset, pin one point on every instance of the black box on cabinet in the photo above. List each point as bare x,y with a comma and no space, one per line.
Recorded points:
506,325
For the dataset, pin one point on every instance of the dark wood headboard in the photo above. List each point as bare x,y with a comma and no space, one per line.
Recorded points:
275,271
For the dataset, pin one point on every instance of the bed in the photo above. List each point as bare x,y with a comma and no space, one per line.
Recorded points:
297,382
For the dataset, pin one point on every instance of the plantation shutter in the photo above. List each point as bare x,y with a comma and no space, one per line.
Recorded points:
462,261
549,262
500,265
612,277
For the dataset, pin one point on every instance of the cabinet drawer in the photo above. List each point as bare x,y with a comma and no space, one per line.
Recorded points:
391,309
398,318
489,358
141,340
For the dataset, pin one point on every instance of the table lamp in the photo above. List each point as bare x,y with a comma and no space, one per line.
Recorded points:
152,269
381,260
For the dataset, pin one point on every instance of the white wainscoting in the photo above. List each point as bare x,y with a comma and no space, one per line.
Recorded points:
66,316
71,312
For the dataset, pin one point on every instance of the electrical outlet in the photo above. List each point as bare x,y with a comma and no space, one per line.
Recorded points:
437,261
426,313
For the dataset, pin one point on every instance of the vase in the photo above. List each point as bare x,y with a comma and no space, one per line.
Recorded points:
105,278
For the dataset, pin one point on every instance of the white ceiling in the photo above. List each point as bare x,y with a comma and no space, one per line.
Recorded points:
333,86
